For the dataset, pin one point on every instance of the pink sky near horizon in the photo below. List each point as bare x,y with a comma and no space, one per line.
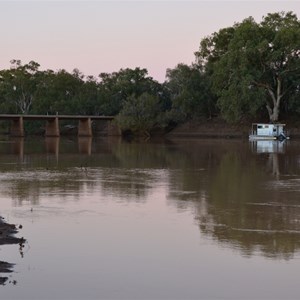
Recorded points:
105,36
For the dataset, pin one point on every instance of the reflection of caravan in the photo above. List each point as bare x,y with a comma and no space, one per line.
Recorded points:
267,132
268,146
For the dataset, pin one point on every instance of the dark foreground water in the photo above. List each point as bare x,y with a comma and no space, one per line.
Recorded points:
188,219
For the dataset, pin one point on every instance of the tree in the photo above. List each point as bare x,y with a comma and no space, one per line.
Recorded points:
87,99
116,87
189,89
254,65
58,92
139,114
18,85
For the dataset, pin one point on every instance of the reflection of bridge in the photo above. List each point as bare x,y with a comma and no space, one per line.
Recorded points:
52,123
51,146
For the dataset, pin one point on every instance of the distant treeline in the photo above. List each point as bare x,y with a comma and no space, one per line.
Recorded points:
248,71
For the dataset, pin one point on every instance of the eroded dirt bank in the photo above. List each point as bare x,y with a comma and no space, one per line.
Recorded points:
216,128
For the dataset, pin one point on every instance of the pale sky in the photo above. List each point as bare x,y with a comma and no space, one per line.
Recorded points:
105,36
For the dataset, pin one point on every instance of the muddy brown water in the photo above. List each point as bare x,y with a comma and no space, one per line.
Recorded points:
168,219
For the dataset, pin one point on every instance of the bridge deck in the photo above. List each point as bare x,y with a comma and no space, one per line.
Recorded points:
51,117
52,127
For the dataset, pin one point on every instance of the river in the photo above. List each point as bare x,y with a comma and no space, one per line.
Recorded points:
166,219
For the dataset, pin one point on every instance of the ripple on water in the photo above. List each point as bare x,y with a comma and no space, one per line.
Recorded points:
290,185
35,175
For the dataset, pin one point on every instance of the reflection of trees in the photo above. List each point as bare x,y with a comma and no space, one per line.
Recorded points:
223,180
141,155
245,213
239,202
133,171
121,169
195,163
273,164
43,172
129,185
31,186
138,163
241,199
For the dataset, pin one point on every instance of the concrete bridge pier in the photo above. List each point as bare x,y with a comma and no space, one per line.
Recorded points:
17,127
52,127
85,127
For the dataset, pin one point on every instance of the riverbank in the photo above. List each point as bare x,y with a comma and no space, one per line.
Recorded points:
7,236
207,128
217,128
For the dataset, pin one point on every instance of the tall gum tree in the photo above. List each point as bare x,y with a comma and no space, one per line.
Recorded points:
254,64
18,85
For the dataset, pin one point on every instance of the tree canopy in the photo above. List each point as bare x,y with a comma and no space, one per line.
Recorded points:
190,92
254,65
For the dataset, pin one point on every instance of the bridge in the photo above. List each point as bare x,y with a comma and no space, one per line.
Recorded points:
52,123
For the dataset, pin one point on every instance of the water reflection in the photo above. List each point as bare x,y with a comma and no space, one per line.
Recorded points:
52,146
242,200
243,196
250,210
85,145
268,146
273,149
18,147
